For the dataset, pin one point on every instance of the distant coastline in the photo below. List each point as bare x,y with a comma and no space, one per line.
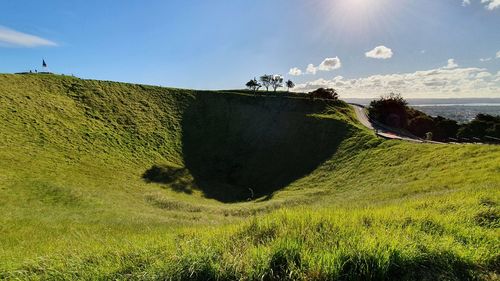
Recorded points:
440,102
456,104
461,110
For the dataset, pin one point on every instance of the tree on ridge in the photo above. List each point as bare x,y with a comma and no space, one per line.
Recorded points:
276,82
290,85
266,81
253,85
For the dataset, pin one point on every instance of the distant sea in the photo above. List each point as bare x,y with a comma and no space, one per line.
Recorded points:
461,110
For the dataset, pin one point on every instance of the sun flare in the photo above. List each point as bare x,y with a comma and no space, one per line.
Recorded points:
360,7
361,16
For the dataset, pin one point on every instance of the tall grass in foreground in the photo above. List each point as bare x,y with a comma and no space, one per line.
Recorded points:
450,237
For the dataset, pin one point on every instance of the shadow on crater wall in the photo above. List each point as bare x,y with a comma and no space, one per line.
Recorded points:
240,148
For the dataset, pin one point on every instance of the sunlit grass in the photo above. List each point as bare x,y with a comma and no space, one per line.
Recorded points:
74,204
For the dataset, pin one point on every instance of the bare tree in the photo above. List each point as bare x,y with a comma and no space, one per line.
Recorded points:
290,85
266,81
276,82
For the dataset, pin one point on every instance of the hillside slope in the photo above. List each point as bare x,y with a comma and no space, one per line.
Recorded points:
119,172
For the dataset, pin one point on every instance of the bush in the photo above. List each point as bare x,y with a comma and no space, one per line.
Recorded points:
444,129
421,125
322,93
391,110
483,125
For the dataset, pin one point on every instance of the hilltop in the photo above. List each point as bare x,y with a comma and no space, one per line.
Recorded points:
110,180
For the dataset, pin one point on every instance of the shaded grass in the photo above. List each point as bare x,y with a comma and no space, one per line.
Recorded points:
241,148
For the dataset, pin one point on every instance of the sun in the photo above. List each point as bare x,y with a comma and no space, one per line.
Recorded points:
356,8
356,4
362,16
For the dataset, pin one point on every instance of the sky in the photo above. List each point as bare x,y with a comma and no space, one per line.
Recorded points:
363,48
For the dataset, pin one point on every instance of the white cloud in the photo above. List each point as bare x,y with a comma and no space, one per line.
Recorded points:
327,64
12,38
295,71
489,4
483,74
330,64
380,52
311,69
497,56
434,83
451,64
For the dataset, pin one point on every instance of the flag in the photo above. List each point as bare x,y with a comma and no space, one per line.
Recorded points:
43,63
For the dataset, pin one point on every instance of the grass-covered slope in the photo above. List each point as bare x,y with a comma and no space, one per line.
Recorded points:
104,180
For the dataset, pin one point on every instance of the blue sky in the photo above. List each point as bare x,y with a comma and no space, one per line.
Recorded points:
426,48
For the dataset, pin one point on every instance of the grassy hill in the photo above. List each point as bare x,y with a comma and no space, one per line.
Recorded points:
105,180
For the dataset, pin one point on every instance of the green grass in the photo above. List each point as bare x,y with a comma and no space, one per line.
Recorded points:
245,188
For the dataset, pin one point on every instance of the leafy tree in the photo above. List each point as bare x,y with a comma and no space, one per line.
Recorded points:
290,85
494,131
322,93
483,125
266,81
391,110
253,85
492,124
421,126
276,82
464,132
444,129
